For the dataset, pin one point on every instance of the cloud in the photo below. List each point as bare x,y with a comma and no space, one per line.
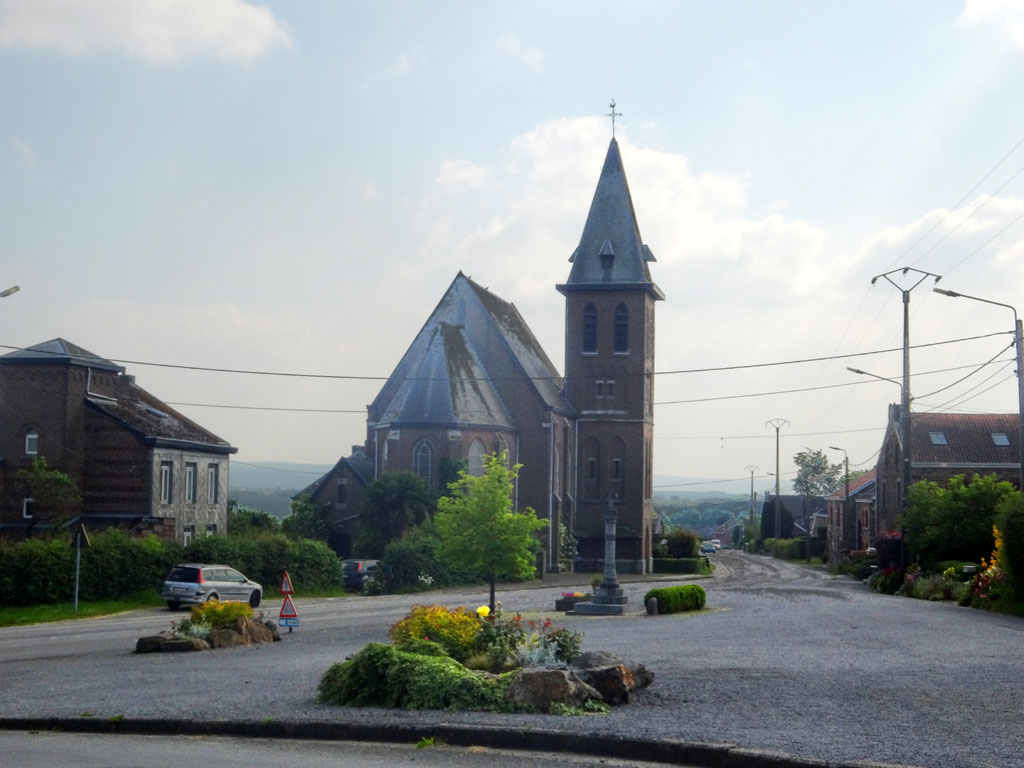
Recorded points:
26,154
165,31
369,189
1008,13
403,64
461,174
512,47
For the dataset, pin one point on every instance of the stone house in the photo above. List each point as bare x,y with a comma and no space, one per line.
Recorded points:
853,524
137,463
475,381
943,445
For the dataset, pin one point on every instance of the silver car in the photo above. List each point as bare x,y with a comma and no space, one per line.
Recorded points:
196,583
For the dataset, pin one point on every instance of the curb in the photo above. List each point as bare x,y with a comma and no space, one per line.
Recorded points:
693,754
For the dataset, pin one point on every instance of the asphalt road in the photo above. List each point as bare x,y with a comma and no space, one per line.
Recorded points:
785,658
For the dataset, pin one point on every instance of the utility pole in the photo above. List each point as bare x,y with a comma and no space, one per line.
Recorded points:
777,423
905,399
751,469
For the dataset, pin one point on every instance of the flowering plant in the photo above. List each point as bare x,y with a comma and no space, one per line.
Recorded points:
573,594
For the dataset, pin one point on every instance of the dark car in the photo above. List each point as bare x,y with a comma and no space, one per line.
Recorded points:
195,583
354,572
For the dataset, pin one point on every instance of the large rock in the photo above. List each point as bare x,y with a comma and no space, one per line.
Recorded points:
225,638
184,644
541,687
642,677
152,643
252,631
614,682
272,627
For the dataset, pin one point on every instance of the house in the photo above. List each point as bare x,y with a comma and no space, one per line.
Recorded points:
475,381
339,495
943,445
806,512
852,522
136,462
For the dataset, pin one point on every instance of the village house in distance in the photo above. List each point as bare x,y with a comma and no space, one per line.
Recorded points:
475,381
137,464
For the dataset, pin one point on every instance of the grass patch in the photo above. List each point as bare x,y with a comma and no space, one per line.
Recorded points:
13,615
310,593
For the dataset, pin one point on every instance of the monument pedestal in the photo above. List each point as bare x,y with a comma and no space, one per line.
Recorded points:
607,601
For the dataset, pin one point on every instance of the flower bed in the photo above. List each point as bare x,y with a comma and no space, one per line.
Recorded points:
569,599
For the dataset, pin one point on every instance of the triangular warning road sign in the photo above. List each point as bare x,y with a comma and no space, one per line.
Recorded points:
288,609
286,584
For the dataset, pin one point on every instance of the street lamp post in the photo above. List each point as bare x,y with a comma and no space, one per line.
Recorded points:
846,501
1018,340
777,423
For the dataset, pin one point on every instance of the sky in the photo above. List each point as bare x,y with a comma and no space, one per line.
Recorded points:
290,187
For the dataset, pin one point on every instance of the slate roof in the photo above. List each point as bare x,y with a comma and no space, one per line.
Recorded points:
362,468
154,421
856,486
610,253
58,352
968,438
450,373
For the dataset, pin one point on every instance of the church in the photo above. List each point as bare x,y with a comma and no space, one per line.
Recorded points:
475,381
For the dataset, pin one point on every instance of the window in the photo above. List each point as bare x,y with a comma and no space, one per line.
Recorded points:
212,487
616,469
937,438
27,505
31,443
190,483
609,389
423,462
342,491
599,388
589,329
621,329
1000,438
166,479
211,529
476,458
187,532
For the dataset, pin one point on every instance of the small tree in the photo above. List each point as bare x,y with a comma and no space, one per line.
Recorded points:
480,532
816,476
52,492
249,521
392,503
682,542
305,521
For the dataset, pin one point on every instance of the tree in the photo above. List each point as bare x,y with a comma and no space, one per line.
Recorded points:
480,532
52,491
305,521
392,503
955,522
816,476
248,521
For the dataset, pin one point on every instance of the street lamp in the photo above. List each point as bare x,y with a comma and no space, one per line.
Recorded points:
9,291
846,501
1018,339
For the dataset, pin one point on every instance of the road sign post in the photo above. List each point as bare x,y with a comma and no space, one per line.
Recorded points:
288,616
81,538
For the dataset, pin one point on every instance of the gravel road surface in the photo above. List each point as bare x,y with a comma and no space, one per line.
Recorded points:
786,658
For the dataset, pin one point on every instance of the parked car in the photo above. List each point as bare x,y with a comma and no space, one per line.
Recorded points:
717,543
354,572
195,583
707,548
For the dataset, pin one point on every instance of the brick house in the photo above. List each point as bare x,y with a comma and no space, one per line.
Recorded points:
943,445
476,381
137,463
854,525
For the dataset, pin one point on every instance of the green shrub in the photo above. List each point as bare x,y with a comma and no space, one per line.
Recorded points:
422,647
311,564
385,676
701,565
218,615
455,630
1010,522
887,581
410,562
682,542
686,597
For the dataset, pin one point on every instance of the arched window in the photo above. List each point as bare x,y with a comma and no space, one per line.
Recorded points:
621,328
31,443
476,458
589,328
423,461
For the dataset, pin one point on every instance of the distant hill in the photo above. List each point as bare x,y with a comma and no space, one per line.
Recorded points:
266,475
669,486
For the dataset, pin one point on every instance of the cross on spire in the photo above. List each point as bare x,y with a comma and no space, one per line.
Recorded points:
613,114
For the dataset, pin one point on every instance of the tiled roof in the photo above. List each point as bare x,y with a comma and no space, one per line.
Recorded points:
966,438
857,485
58,352
474,346
154,420
610,252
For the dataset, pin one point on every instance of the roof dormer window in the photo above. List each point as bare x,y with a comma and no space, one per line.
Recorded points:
1000,438
937,438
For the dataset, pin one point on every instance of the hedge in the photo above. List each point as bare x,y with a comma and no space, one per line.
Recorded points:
681,565
42,570
686,597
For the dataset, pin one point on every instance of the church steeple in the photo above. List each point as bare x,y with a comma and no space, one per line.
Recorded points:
610,252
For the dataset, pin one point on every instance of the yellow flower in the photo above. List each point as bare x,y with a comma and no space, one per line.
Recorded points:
483,611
